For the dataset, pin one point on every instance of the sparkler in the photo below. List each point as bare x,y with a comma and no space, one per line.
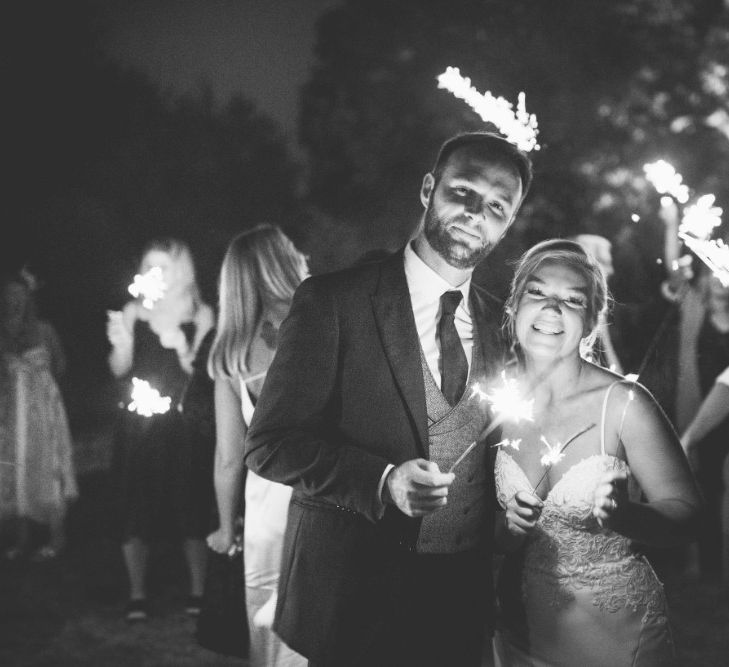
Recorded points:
507,405
518,127
666,180
146,400
713,253
150,286
555,453
700,218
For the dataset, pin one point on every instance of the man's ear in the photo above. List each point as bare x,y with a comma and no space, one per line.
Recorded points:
426,189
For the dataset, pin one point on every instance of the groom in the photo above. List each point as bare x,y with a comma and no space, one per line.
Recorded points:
387,556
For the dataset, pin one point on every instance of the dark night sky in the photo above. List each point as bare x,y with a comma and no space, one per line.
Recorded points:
260,48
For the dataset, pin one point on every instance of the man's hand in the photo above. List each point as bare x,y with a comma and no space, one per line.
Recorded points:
417,487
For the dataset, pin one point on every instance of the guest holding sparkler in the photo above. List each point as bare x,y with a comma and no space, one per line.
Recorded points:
153,343
574,588
261,270
387,554
37,476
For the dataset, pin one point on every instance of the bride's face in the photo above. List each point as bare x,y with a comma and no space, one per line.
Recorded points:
551,316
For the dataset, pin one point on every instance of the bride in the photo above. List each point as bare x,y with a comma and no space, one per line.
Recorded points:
598,474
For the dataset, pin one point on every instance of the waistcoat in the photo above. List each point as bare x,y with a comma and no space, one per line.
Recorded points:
462,524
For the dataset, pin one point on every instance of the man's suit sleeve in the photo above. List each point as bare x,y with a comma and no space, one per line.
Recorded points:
294,437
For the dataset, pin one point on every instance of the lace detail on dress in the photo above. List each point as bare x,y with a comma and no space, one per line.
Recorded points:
568,550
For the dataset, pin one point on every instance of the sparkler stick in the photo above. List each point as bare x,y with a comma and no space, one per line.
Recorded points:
518,127
150,286
556,453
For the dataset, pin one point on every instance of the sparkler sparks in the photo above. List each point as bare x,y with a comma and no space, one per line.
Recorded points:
666,180
506,401
146,401
150,286
554,453
713,253
506,442
519,127
700,218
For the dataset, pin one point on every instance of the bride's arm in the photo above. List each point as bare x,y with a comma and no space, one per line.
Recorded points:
668,516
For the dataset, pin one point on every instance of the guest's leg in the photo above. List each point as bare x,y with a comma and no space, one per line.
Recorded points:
196,554
136,557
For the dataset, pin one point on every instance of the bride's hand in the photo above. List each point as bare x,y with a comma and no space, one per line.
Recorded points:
611,497
523,512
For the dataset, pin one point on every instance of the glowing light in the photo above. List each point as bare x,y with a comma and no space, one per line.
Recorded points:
506,401
518,127
666,180
146,401
631,377
554,453
506,442
714,253
635,217
150,286
700,218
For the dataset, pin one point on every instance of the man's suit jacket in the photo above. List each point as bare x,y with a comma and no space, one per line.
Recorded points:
343,398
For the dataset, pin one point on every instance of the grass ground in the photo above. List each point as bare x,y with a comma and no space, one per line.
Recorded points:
68,613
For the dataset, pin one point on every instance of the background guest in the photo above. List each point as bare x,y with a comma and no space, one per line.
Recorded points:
157,343
37,476
260,272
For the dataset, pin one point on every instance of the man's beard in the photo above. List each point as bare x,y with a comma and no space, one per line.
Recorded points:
458,255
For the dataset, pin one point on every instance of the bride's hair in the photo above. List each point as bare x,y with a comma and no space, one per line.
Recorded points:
569,254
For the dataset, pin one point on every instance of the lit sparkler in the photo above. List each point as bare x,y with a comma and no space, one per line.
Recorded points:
666,180
512,444
519,127
150,286
714,253
146,400
700,218
506,401
555,453
507,405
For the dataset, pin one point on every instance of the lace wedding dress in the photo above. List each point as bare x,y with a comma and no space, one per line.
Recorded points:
577,594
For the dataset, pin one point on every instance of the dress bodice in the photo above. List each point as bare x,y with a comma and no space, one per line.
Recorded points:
568,554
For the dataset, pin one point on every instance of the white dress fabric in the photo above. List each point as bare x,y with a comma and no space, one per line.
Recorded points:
577,594
266,512
37,476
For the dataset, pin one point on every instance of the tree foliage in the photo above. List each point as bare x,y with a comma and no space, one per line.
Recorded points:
614,85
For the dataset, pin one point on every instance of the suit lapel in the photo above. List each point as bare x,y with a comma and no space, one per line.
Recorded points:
393,314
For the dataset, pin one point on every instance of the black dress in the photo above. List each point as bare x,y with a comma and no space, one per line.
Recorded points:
152,458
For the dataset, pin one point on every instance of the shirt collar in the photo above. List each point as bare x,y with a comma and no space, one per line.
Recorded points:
424,281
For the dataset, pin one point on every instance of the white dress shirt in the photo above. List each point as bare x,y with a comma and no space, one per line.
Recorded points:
426,287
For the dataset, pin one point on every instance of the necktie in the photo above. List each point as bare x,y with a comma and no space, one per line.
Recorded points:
454,365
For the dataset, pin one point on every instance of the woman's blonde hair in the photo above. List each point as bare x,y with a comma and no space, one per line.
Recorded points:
261,267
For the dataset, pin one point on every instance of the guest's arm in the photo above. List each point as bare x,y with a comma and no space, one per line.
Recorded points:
119,331
229,470
713,410
668,516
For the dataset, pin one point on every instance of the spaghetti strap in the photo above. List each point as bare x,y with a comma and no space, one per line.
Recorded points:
602,418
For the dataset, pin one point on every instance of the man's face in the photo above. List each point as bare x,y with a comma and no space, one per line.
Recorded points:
470,207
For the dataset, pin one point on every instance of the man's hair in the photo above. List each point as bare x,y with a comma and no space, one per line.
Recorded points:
492,146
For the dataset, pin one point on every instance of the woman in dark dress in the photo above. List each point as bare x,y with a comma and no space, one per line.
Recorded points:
154,340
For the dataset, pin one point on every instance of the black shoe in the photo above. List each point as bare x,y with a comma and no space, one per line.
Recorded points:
193,605
137,611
